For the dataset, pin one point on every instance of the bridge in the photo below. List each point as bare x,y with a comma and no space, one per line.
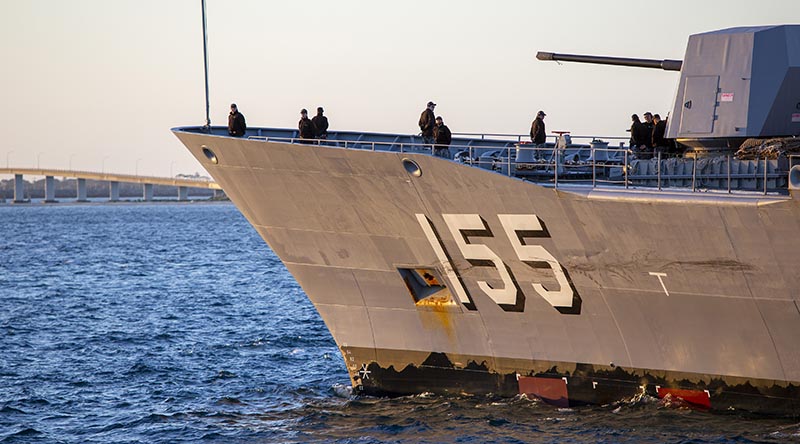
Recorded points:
113,180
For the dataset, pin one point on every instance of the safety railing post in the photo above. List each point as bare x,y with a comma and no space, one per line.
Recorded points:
555,168
766,166
729,174
625,171
594,169
508,161
659,170
694,174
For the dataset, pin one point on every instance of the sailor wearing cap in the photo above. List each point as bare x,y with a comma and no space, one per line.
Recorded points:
320,124
426,123
538,134
236,123
306,127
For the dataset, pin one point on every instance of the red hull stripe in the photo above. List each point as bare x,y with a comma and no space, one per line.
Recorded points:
551,390
695,397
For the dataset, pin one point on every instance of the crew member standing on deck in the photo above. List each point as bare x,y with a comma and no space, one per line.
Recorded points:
659,128
442,137
320,124
538,133
306,127
236,124
426,123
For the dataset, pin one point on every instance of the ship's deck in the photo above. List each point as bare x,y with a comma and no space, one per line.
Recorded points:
591,168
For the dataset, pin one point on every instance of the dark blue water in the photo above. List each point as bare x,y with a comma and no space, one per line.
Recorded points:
175,323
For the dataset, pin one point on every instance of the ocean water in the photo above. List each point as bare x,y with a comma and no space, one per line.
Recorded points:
168,323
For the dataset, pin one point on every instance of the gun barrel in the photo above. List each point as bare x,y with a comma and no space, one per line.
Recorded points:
667,65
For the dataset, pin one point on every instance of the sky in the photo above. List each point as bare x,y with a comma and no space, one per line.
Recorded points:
97,84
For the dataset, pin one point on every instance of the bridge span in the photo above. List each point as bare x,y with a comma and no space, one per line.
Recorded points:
113,180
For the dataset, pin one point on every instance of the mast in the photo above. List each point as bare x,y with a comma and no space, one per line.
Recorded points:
205,62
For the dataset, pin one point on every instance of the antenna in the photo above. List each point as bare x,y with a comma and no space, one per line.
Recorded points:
205,62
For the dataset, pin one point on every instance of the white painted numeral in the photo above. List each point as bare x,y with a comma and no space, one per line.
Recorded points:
427,228
466,222
513,223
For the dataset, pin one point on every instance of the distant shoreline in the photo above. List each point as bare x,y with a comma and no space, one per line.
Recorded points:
40,203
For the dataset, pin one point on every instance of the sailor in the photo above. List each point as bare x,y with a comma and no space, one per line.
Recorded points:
236,123
442,137
538,132
320,124
306,127
659,128
640,138
426,123
648,121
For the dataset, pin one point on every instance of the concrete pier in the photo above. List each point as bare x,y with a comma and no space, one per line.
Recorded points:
113,191
19,189
147,194
49,189
183,193
81,190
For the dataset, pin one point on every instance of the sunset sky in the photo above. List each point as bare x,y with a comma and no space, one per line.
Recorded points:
92,82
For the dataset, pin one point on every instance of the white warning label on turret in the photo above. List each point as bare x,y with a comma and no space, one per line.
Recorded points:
795,117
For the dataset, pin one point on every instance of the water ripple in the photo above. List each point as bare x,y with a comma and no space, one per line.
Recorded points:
132,324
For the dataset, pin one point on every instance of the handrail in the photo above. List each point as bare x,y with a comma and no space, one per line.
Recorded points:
561,168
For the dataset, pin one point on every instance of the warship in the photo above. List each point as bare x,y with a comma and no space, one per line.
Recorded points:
575,272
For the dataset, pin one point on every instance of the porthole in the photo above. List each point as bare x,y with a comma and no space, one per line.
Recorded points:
210,155
412,167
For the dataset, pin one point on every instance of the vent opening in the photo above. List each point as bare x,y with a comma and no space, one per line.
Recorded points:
426,286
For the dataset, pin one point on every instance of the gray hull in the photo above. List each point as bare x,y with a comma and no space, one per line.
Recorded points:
573,295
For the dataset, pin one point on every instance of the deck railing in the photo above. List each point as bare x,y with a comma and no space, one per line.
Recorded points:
591,164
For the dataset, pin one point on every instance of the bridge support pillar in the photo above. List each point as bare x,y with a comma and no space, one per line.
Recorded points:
183,193
147,194
81,190
113,191
19,189
49,189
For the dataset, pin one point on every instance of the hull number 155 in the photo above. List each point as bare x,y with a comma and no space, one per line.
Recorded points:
516,226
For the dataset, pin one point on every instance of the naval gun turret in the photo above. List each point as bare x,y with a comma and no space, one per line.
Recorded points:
736,84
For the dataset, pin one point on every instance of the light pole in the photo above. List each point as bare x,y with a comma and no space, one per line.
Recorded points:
103,169
137,166
7,156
